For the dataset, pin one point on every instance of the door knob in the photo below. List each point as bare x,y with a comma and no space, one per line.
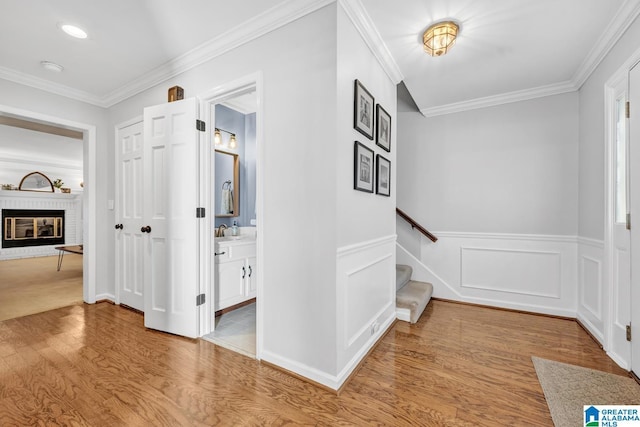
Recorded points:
146,229
119,226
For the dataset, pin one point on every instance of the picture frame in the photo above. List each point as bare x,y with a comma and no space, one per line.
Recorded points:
383,128
363,103
383,176
363,168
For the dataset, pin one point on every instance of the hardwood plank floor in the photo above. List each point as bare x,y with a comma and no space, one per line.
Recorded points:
96,365
33,285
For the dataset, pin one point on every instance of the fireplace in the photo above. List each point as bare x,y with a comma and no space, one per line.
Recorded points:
32,227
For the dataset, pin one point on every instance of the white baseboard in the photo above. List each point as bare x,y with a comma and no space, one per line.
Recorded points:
107,297
326,379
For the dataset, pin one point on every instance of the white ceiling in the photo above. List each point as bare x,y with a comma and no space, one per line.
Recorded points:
507,49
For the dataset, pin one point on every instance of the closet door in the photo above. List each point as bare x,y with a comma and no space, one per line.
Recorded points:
129,242
171,229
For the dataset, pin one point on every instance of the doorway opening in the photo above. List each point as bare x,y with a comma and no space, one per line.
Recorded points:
85,231
232,193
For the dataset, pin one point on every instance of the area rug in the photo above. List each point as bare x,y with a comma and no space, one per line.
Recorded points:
567,388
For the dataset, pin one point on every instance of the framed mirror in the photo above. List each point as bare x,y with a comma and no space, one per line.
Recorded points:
227,184
36,181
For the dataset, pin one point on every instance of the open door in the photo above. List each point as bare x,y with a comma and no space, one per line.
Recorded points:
171,179
634,166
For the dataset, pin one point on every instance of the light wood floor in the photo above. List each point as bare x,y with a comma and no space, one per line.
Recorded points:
458,366
32,285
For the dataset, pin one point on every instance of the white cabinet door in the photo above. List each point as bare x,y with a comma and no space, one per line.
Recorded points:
171,178
230,278
251,290
129,242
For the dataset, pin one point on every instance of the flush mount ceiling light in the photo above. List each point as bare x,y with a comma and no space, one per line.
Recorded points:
51,66
74,31
440,38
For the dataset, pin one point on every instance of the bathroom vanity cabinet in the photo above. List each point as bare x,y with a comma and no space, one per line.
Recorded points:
235,272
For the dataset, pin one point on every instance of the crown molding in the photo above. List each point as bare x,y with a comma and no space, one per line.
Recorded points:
505,98
362,21
625,16
268,21
48,86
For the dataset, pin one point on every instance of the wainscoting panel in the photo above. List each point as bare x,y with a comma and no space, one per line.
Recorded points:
536,273
522,272
365,298
591,299
591,278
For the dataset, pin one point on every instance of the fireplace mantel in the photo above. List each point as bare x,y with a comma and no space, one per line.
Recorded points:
37,195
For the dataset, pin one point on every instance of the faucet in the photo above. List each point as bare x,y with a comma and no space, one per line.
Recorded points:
220,232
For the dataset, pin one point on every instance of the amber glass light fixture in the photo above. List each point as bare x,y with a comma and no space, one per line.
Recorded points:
440,38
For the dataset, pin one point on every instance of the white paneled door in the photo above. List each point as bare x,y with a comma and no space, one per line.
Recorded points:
129,209
170,226
621,236
634,154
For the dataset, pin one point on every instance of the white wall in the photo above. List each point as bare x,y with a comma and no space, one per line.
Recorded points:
499,187
23,151
365,223
505,169
592,135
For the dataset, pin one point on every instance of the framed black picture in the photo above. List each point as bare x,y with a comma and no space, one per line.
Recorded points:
362,168
363,103
383,128
383,176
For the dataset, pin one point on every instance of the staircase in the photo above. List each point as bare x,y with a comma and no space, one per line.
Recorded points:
412,297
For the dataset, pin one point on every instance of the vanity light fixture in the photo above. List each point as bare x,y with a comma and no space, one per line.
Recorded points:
440,38
217,138
74,31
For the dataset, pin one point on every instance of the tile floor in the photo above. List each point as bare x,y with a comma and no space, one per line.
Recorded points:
236,330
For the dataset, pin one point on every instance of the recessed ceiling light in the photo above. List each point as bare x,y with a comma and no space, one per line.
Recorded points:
52,66
74,31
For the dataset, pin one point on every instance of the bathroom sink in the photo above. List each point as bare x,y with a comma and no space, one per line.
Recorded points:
227,238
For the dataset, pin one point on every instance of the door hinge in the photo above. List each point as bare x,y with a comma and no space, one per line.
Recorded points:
628,221
200,125
200,299
629,332
200,213
627,110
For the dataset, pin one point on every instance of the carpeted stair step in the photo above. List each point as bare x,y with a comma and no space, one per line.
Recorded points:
414,296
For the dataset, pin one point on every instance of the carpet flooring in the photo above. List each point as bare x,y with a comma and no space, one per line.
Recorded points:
32,285
568,387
